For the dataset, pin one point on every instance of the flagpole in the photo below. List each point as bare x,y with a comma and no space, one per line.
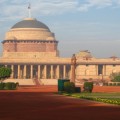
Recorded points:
29,10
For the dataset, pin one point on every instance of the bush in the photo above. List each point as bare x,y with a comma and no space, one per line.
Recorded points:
105,84
2,86
115,77
77,90
8,86
69,87
118,84
88,87
114,84
110,84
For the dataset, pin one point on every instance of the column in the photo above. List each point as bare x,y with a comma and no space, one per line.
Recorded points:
73,63
104,72
51,71
64,71
104,69
31,72
24,71
45,71
38,71
96,70
12,68
73,76
58,71
19,72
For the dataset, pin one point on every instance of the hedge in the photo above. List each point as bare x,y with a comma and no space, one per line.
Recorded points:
9,86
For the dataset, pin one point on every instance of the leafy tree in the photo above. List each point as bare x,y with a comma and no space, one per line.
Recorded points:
4,73
115,77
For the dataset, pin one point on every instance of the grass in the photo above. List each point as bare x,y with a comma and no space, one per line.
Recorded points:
105,95
111,98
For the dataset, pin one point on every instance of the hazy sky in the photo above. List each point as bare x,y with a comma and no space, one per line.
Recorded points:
92,25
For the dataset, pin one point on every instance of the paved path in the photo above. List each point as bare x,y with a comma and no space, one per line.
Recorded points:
24,105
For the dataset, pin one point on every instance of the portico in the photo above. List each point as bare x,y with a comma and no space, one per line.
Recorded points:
40,71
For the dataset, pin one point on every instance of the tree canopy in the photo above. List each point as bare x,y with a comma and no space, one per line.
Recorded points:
5,72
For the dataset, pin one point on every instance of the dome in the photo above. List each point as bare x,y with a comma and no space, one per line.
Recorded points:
84,53
30,23
29,29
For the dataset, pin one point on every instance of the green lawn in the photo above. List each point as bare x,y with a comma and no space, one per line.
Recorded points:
111,98
105,95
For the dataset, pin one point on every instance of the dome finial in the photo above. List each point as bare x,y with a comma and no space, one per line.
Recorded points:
29,10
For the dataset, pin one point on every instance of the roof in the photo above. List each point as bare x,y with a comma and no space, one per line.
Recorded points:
30,23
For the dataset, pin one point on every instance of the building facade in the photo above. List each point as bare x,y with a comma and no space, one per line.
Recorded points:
30,50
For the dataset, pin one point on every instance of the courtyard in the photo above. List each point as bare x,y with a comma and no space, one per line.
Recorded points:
40,103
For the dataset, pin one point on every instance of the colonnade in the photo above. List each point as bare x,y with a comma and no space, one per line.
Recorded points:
40,71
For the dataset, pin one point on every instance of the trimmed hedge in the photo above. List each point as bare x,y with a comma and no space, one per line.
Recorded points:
88,87
8,86
2,85
69,87
77,90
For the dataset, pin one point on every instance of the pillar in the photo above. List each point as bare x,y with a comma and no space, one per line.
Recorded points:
58,71
73,63
24,71
64,71
39,72
51,71
45,71
104,69
72,73
31,72
12,68
19,72
96,70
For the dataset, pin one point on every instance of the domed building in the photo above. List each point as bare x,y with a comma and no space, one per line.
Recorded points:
30,50
29,38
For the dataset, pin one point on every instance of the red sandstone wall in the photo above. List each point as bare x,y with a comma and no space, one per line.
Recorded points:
29,47
9,47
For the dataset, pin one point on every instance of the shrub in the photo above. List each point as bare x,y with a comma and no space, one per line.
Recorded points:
118,84
69,87
115,77
2,86
8,86
105,84
114,84
77,89
88,87
110,84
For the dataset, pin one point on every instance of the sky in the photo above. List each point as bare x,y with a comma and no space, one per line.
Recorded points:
92,25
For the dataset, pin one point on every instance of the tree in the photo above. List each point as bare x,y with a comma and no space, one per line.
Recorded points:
115,77
4,73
